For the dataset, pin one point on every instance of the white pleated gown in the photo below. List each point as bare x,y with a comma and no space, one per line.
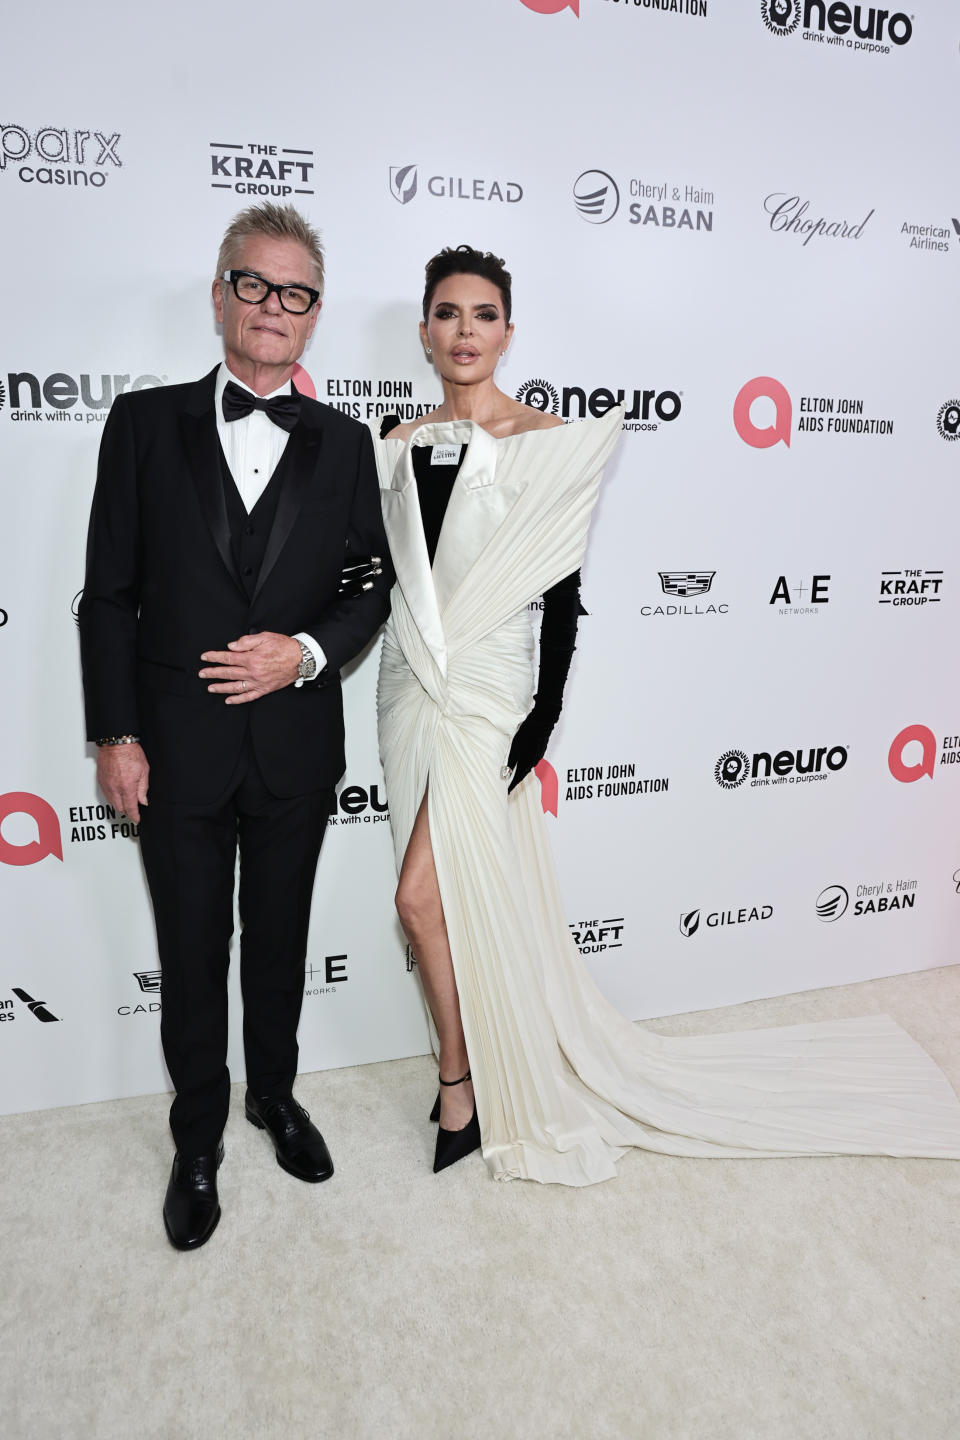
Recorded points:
563,1082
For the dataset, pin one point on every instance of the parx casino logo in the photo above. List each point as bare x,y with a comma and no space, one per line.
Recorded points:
55,156
253,168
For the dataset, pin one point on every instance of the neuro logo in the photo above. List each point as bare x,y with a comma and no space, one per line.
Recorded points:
552,7
690,923
948,417
38,1008
303,382
956,882
148,980
403,183
539,395
686,582
899,769
780,16
4,617
731,769
596,196
832,903
48,842
549,786
763,386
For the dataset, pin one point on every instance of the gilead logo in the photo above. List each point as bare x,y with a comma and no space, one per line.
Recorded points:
924,766
552,7
48,842
770,389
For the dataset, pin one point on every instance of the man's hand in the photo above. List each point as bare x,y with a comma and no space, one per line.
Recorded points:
124,775
252,666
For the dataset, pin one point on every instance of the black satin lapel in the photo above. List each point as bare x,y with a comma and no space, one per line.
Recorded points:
302,452
199,434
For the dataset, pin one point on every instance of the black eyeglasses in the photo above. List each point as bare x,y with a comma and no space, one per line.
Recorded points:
253,290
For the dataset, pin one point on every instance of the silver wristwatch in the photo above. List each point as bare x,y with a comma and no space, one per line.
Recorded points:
308,665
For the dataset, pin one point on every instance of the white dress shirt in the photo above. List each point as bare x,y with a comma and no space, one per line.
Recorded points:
252,448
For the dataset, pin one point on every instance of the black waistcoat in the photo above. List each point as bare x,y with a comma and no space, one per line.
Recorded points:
249,533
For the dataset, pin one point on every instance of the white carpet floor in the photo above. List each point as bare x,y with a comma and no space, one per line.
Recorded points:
686,1300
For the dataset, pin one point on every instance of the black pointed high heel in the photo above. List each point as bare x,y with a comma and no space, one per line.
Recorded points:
453,1145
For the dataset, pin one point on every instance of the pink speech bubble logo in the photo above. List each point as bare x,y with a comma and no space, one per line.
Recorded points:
773,390
552,7
303,382
908,773
19,802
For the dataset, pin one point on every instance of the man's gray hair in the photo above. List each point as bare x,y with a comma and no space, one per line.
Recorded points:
281,222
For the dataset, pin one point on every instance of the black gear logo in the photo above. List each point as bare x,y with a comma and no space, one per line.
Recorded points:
948,420
730,770
781,17
539,395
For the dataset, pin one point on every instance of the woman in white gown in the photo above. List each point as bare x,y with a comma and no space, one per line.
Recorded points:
536,1067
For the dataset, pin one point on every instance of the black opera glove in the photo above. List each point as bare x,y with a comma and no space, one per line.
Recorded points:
529,745
558,634
357,574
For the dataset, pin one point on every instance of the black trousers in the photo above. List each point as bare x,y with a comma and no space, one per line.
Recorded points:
189,853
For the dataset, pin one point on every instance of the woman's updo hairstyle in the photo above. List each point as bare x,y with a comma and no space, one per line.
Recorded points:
464,260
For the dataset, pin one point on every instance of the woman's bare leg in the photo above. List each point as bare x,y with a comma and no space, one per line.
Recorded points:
421,915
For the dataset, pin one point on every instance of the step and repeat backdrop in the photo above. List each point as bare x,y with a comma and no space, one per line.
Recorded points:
743,221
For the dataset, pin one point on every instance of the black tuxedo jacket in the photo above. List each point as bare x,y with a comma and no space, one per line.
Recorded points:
162,587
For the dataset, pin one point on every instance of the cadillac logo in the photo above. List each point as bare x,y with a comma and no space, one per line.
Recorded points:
686,582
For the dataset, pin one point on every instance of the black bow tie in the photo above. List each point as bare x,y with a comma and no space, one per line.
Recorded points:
283,410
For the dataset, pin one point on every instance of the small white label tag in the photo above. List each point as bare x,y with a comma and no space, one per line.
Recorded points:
444,454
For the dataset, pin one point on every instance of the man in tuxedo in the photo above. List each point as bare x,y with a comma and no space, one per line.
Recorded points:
230,522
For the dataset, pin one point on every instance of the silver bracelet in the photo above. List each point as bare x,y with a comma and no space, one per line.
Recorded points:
120,740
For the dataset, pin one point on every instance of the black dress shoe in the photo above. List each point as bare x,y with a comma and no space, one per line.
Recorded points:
191,1209
453,1145
301,1149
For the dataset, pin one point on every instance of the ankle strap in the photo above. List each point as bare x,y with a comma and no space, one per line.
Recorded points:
455,1082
